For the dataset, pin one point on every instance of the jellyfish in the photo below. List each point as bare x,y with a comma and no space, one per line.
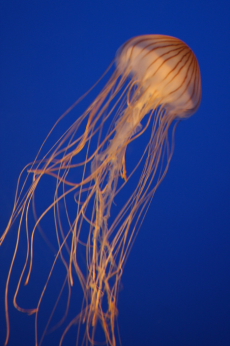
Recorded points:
100,190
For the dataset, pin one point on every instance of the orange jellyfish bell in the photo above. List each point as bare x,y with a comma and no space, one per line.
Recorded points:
156,82
166,68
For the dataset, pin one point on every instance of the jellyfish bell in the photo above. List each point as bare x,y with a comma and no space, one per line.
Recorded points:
167,70
156,81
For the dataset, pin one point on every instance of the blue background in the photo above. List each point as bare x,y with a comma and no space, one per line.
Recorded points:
176,284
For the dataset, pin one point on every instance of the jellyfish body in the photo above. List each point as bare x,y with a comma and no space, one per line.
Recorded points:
156,82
